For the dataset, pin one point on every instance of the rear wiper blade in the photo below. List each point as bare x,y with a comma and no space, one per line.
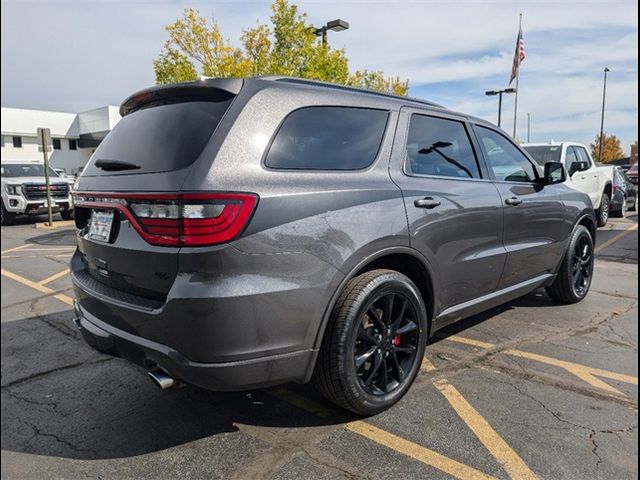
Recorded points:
115,165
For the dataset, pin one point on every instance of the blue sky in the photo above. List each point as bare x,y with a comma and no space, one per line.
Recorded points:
75,55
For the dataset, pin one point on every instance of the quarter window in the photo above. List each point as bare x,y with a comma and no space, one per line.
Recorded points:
328,138
505,160
439,147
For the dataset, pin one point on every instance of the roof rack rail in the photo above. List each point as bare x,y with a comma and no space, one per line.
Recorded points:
346,88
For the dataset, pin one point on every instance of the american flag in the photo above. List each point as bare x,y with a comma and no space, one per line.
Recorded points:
518,57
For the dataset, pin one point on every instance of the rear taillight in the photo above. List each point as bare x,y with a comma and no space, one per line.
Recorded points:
614,189
186,219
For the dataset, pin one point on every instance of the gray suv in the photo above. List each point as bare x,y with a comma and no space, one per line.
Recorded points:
240,233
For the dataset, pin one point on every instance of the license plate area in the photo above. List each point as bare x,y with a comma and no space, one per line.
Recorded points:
101,225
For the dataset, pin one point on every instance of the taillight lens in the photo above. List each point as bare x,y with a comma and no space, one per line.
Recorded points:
187,219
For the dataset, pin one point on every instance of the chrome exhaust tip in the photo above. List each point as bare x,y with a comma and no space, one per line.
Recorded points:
161,379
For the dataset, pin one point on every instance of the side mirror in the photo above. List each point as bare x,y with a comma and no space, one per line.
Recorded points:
578,167
554,172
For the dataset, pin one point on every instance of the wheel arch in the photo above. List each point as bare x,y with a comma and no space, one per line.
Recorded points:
405,260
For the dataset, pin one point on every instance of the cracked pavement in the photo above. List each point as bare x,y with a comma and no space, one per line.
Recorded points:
68,411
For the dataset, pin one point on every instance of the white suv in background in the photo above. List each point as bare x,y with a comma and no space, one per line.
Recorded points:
582,172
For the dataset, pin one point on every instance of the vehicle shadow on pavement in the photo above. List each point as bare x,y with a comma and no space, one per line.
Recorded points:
62,399
64,237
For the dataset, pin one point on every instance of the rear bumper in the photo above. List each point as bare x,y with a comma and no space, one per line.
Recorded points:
224,376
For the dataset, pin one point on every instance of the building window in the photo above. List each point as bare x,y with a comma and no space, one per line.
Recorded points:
2,139
57,144
17,142
73,144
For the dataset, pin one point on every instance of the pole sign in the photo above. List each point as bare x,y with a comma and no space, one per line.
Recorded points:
44,139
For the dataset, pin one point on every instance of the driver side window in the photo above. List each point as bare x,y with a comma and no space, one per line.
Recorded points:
505,160
571,158
583,156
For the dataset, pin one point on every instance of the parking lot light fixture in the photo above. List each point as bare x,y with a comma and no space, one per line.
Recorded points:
335,25
492,93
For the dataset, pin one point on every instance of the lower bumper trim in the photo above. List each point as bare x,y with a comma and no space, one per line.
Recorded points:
223,376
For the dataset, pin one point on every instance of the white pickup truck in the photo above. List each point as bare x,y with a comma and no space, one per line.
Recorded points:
582,172
24,191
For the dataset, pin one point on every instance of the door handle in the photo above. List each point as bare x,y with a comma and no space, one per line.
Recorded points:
427,203
513,201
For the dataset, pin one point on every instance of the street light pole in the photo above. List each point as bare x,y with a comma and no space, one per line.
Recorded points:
528,127
604,97
335,25
499,93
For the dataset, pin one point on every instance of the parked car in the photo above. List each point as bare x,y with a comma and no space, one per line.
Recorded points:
24,191
625,194
584,175
632,173
241,233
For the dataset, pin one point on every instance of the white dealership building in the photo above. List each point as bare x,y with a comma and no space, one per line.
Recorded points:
74,135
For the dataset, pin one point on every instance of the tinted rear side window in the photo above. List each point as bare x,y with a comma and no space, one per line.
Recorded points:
440,147
328,138
161,138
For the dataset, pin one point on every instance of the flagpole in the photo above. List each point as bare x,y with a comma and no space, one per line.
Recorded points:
515,105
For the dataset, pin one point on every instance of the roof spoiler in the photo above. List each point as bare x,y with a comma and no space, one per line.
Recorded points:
198,90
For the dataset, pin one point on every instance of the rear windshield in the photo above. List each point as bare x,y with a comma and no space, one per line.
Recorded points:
160,138
25,170
545,154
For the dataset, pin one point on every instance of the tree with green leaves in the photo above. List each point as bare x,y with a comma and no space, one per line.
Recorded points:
611,148
288,47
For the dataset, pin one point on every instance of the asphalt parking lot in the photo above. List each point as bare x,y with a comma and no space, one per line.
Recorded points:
528,390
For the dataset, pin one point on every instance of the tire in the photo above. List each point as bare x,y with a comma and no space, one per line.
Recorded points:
603,211
356,341
564,288
67,214
8,218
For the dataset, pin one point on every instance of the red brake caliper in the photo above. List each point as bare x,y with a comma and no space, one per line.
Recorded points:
396,341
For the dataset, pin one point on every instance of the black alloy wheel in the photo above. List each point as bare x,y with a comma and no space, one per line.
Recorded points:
374,343
582,265
386,344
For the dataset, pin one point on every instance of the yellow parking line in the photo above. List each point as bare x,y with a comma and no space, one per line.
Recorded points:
53,277
584,372
427,366
512,463
415,451
386,439
616,238
25,281
14,249
506,456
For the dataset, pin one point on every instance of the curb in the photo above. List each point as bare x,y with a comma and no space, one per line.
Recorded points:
60,224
